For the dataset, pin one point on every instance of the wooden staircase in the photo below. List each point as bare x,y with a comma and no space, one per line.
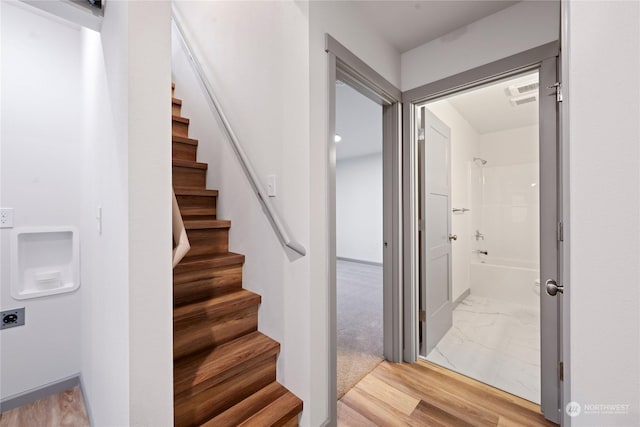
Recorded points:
224,369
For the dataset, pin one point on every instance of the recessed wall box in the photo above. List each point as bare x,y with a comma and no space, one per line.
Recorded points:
44,261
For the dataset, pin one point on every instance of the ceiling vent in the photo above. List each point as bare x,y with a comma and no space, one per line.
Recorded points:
521,89
521,100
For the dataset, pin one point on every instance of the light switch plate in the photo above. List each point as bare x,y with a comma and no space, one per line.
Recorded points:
271,186
6,217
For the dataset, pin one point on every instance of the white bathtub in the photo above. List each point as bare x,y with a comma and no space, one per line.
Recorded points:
508,280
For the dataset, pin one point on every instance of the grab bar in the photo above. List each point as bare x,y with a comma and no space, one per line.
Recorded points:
277,223
461,210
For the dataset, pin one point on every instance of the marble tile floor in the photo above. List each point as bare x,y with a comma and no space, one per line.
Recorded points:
495,342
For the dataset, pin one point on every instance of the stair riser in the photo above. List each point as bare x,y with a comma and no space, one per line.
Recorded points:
253,404
293,422
194,408
184,151
189,177
179,128
199,285
211,277
175,109
197,205
210,312
189,340
208,241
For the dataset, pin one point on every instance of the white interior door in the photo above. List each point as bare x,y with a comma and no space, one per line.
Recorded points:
435,240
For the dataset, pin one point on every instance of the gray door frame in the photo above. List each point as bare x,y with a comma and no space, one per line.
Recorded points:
345,66
545,59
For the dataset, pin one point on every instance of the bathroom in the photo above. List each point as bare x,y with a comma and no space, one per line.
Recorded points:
494,223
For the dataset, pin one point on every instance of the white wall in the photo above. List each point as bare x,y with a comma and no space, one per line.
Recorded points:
464,147
523,26
256,57
340,19
508,211
127,310
604,208
359,208
105,342
41,169
150,238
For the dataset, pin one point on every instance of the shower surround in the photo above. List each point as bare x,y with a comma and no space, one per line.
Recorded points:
495,336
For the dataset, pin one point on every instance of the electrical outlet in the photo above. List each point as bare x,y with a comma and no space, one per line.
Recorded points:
12,318
6,217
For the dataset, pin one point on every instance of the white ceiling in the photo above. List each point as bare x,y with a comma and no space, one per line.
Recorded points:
358,122
408,24
488,109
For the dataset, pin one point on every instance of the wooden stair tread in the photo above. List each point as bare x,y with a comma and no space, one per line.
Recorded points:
224,369
184,140
218,306
189,164
194,191
213,366
277,412
180,119
201,224
192,214
210,261
238,413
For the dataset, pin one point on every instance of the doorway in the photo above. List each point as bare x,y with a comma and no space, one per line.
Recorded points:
482,309
346,67
359,229
434,214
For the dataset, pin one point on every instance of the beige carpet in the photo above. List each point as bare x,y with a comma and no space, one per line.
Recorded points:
359,323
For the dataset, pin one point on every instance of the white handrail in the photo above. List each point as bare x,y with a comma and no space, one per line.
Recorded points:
277,223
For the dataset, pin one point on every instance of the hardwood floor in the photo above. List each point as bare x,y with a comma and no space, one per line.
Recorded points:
65,409
424,394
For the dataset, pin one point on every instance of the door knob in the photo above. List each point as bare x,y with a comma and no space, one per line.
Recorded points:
453,237
553,288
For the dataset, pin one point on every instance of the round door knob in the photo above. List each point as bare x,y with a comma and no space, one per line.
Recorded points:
453,237
553,288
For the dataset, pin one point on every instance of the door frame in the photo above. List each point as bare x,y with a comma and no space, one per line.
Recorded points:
541,58
346,66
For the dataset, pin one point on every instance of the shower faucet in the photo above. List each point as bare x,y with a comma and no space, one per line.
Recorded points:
478,251
479,235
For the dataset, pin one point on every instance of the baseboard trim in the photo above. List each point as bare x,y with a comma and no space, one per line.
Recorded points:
461,298
378,264
32,395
